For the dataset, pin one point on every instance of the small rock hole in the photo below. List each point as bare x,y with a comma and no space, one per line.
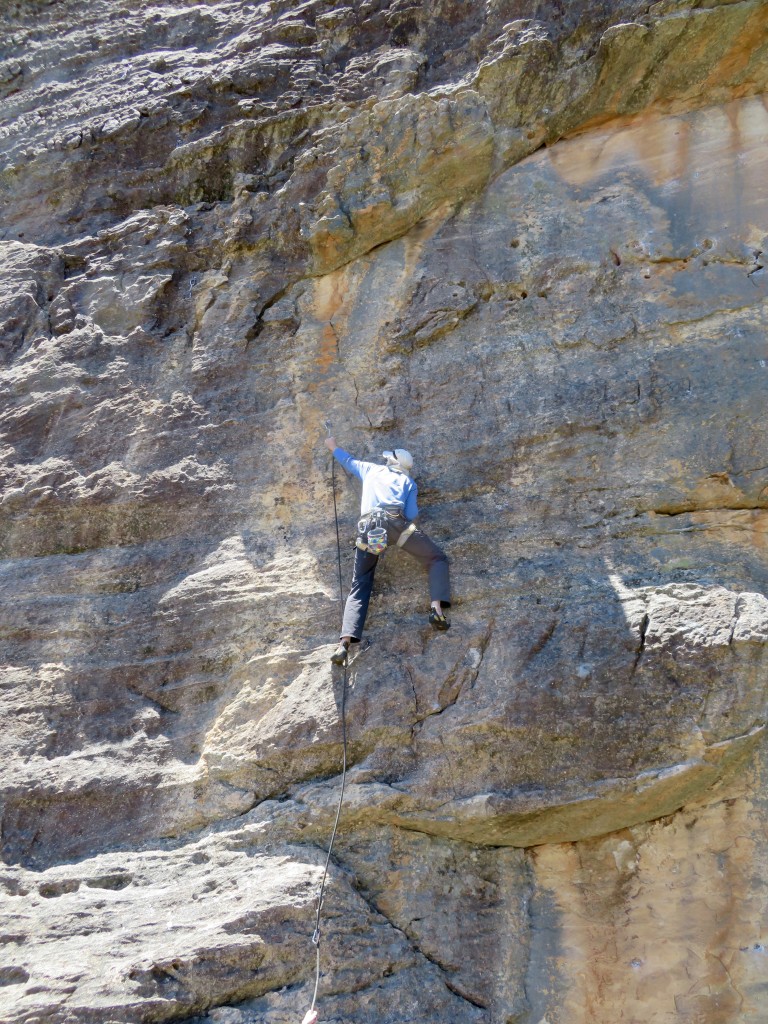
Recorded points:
523,295
49,890
116,881
515,243
13,976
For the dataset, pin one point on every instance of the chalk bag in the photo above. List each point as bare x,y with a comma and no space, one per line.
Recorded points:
377,540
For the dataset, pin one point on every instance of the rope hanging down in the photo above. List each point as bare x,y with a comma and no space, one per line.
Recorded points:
311,1015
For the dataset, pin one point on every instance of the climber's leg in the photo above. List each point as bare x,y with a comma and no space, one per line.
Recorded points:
435,560
356,607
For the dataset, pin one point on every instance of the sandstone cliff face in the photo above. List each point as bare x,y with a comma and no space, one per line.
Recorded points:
526,240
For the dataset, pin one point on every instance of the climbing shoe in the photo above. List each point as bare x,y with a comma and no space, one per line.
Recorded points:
339,656
438,621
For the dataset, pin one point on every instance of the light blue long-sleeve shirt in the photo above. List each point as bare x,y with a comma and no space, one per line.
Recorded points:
381,485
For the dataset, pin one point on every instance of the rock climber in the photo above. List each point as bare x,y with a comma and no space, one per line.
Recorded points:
389,501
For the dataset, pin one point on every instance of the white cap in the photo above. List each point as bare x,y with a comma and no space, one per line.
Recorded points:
399,458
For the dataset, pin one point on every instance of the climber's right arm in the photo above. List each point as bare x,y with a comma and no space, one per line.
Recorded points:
352,465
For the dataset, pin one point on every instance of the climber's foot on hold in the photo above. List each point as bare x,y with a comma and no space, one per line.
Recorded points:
437,620
339,656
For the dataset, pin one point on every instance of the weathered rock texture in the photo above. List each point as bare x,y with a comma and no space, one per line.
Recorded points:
526,239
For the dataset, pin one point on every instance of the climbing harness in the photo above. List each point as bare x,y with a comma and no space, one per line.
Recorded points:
311,1015
411,528
372,529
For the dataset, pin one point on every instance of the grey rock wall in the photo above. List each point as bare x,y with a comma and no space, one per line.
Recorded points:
525,240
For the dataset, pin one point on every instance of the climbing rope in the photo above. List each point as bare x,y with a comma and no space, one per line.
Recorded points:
311,1015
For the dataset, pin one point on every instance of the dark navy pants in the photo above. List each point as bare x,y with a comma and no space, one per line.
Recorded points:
424,550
